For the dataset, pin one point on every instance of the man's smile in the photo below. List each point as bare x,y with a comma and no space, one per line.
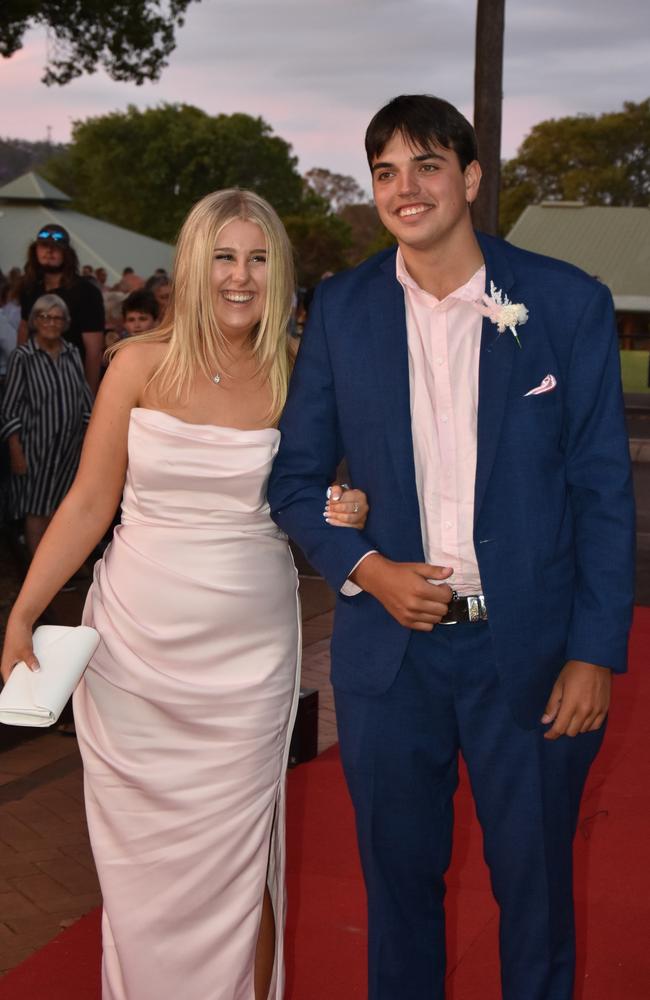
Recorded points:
409,210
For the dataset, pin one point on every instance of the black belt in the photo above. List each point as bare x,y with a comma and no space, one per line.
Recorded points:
465,609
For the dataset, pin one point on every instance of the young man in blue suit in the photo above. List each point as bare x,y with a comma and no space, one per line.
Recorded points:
474,390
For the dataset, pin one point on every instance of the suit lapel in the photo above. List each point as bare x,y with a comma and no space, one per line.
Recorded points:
388,317
495,368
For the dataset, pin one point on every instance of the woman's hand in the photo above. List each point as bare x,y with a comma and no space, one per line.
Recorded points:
345,507
17,646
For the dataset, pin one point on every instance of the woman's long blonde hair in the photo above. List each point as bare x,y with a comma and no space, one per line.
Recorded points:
189,325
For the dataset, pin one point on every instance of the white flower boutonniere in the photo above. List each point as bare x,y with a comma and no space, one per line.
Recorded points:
500,310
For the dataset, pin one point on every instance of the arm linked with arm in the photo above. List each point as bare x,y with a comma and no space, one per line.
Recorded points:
309,454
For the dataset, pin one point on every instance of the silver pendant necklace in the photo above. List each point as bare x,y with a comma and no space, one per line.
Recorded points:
216,378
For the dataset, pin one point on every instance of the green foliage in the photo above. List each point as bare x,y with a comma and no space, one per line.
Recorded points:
368,235
342,195
18,156
131,39
320,241
145,169
635,367
338,190
597,159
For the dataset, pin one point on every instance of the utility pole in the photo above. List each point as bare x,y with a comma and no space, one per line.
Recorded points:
488,100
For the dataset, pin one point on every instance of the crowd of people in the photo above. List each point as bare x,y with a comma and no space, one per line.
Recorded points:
56,322
89,317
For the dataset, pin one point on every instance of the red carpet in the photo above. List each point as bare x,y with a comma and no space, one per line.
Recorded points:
326,924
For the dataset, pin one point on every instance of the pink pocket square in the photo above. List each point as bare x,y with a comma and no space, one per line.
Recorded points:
547,384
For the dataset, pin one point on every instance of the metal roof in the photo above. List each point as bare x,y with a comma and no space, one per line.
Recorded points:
609,242
32,187
98,243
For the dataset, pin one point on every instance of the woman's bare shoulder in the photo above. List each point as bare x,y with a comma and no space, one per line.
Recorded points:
138,359
142,353
129,371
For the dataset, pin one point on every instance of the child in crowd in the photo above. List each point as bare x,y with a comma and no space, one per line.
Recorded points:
139,312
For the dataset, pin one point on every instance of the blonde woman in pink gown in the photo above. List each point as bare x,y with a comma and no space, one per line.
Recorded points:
184,713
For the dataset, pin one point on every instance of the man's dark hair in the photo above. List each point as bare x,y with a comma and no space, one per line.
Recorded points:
422,121
141,301
34,272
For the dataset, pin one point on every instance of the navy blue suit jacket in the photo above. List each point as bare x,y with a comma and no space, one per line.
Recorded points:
554,512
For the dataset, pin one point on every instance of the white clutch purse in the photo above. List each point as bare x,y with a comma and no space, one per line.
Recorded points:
37,699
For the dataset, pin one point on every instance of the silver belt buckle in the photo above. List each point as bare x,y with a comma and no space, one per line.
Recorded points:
476,608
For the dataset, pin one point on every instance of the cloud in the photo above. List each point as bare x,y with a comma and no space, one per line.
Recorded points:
317,72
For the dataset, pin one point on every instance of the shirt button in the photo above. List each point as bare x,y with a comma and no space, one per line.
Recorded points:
440,361
448,524
444,418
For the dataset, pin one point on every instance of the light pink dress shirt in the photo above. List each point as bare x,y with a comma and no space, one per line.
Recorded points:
444,339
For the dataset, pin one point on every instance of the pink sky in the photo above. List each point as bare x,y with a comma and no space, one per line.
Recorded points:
318,80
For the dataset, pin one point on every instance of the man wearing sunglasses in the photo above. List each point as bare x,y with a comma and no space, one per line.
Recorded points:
52,266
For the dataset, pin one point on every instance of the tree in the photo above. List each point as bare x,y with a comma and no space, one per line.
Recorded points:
597,159
131,39
488,100
17,156
338,190
144,169
320,241
342,195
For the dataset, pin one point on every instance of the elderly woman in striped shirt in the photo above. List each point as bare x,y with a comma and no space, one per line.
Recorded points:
46,406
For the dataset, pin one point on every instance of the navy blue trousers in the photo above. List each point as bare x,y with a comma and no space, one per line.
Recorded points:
400,756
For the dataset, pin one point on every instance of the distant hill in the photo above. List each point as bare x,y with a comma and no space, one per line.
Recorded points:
18,156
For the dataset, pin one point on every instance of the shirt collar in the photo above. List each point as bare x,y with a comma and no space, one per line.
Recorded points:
471,291
65,346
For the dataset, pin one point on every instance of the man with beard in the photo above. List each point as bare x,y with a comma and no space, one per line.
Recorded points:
52,266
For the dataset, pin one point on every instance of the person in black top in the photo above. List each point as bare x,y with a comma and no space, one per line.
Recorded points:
52,266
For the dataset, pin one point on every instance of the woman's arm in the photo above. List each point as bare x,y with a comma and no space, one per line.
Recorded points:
89,507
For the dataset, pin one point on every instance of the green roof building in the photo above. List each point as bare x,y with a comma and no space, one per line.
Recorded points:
611,243
29,202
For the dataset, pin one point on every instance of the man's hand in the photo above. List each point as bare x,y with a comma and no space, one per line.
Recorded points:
579,700
405,591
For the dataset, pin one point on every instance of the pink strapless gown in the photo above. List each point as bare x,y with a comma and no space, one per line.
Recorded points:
184,713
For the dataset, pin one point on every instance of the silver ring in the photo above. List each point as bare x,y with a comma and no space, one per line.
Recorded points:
355,508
